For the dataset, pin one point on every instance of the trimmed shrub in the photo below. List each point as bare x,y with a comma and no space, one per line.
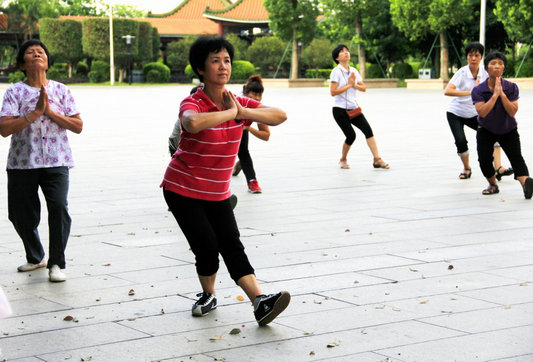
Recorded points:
163,72
99,71
242,69
526,70
318,73
82,68
374,71
189,72
402,70
16,77
58,71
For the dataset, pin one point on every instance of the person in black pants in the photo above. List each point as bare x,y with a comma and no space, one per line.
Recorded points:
252,89
496,102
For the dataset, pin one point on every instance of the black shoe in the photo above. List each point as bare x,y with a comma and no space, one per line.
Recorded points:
508,172
204,305
528,188
237,168
233,200
268,307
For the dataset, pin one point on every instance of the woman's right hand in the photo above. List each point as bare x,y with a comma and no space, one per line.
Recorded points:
351,79
42,103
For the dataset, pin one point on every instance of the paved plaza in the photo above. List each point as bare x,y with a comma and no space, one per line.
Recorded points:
406,264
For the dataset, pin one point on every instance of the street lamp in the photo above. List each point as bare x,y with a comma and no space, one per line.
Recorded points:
130,64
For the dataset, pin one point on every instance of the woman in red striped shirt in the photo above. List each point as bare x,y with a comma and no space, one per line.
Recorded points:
196,184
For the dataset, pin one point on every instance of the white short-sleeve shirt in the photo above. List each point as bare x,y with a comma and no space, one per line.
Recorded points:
340,76
465,81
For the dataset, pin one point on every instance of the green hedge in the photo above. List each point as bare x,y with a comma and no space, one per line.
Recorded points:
156,72
57,71
402,71
16,77
318,73
99,71
242,69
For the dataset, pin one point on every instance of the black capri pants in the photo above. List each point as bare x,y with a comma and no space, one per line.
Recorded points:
210,229
345,123
510,144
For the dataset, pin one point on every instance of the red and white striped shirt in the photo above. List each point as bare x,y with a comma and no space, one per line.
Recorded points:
201,167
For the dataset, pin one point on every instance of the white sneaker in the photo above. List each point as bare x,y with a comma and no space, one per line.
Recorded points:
29,266
56,275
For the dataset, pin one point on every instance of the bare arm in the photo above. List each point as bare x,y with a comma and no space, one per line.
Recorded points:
195,122
271,116
452,91
263,133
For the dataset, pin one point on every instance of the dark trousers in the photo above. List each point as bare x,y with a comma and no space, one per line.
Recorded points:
457,126
24,208
244,156
345,123
510,144
210,229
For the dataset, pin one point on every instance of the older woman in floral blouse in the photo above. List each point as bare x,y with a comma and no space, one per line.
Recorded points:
36,114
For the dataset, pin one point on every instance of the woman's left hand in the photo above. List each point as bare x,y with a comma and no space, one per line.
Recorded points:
240,109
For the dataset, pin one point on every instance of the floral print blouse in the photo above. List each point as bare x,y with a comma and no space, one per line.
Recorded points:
43,143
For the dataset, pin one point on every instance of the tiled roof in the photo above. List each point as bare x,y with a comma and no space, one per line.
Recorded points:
201,16
192,9
242,11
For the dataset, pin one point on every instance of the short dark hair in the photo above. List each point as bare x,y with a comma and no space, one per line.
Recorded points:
336,51
494,55
254,84
201,49
474,46
25,46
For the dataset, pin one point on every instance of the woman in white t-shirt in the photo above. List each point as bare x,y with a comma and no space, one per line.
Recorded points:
344,81
461,111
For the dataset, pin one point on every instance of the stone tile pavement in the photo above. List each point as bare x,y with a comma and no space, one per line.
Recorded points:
409,264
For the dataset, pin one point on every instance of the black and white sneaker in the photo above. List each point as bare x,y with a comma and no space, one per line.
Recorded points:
204,305
268,307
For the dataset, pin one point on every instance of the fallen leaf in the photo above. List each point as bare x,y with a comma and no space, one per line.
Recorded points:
131,233
107,264
240,298
216,338
334,344
523,284
235,331
450,267
162,311
98,299
311,353
413,270
424,302
363,331
380,307
131,292
446,311
507,307
347,230
68,318
132,319
86,359
308,333
324,254
356,282
396,309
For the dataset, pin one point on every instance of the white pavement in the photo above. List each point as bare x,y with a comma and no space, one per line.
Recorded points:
406,264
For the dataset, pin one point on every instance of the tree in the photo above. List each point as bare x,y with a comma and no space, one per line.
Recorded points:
24,15
417,18
517,18
177,52
318,54
63,40
156,44
95,41
293,20
145,42
266,52
80,8
240,46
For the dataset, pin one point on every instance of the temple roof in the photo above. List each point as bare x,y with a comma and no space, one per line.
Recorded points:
242,11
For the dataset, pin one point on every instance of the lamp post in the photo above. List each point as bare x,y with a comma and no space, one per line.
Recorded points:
128,43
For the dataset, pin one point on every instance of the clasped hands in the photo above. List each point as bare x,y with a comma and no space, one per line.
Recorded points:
42,104
230,102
